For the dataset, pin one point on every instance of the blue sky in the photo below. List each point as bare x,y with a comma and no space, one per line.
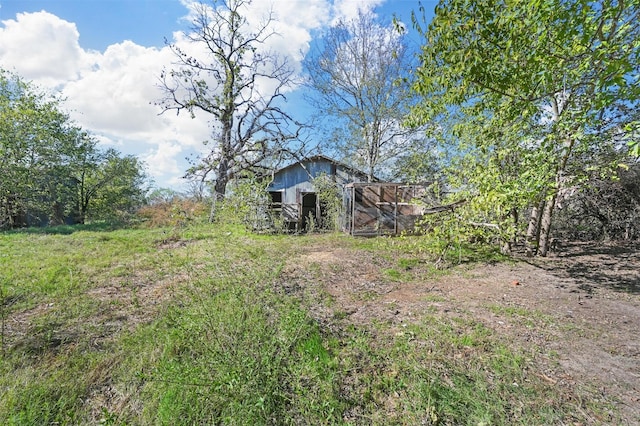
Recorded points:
105,56
104,22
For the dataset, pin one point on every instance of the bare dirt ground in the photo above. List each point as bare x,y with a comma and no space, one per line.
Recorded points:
581,304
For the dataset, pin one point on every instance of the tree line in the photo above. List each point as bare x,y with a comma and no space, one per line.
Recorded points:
52,172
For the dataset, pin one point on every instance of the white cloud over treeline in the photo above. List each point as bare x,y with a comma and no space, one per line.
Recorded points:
112,93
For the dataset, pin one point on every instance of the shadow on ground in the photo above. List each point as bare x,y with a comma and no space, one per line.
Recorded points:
595,265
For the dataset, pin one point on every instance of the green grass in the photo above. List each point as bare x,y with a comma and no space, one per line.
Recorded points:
527,317
190,326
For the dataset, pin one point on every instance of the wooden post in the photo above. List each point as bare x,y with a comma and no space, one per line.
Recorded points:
395,211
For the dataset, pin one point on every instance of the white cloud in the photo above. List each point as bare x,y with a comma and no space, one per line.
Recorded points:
162,161
116,93
348,9
40,46
112,93
107,141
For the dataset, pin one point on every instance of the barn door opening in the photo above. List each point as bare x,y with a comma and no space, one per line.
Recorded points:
309,210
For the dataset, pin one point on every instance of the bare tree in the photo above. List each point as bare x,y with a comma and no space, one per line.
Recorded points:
359,78
238,82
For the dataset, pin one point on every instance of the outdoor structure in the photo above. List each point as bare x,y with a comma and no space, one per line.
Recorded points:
382,208
368,208
292,192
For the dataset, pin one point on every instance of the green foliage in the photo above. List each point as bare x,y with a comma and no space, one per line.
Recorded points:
418,164
330,197
533,96
634,148
247,204
53,172
114,188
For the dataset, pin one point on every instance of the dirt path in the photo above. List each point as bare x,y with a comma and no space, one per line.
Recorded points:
581,305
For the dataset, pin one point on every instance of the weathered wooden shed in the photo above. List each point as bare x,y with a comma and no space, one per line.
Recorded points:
292,192
381,208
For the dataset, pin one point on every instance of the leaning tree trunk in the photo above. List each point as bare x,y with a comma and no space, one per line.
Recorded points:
545,224
532,239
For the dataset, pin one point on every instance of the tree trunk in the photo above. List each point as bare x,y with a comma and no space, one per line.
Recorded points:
220,187
547,212
514,234
545,224
57,214
533,229
511,241
84,209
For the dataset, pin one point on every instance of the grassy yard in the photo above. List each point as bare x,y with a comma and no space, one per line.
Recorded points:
205,325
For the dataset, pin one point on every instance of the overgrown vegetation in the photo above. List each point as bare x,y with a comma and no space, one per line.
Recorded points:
53,171
602,209
532,101
330,198
176,212
195,325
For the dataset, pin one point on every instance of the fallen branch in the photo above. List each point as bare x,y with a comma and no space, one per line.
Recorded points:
447,207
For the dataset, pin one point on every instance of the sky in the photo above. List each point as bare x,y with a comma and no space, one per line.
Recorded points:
105,58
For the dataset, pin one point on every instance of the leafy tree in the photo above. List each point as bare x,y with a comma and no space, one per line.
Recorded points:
163,196
359,79
238,83
114,186
52,171
330,197
530,90
418,163
32,132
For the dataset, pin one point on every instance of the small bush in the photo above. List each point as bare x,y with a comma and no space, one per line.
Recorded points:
174,213
330,201
247,203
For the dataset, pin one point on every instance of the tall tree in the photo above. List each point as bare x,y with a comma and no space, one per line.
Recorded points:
238,83
115,187
32,131
11,89
51,170
546,81
359,76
